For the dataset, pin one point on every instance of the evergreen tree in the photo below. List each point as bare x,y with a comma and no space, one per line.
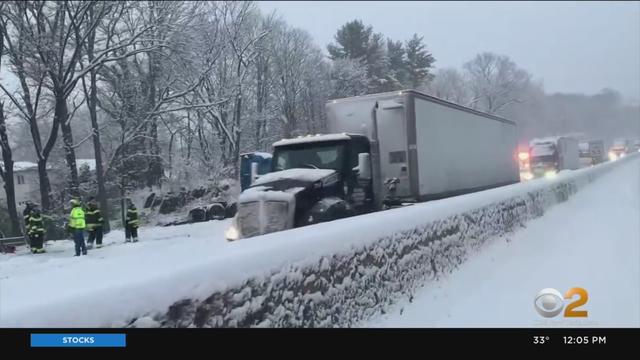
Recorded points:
418,62
352,41
397,68
356,41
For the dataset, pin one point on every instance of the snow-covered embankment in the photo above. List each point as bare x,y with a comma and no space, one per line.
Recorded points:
340,273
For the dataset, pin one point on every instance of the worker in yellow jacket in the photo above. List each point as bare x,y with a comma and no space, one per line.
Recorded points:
77,225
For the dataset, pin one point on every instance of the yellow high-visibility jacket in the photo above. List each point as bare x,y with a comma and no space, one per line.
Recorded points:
76,218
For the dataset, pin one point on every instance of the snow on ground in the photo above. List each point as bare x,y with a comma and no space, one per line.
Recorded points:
30,281
120,282
591,241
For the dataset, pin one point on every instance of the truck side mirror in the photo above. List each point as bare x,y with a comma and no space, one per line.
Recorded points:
364,166
254,172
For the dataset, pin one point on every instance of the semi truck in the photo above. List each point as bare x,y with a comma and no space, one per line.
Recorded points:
591,152
382,150
619,149
253,164
551,155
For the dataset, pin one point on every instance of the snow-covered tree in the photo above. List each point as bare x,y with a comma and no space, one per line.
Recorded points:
449,84
348,78
496,82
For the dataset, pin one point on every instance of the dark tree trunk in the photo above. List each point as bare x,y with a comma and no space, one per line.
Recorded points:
155,165
45,184
235,155
7,175
91,96
62,113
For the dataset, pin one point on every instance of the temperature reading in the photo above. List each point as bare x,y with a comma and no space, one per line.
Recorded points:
540,339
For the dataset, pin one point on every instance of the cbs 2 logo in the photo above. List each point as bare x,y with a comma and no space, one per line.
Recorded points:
549,302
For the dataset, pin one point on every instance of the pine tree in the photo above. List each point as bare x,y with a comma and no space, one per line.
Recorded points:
356,41
418,63
397,67
352,41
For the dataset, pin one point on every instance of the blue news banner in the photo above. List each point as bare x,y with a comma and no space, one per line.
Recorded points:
78,340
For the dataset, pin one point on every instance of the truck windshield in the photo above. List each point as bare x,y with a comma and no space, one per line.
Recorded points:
321,156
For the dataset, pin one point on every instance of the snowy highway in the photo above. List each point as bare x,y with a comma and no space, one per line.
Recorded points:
591,241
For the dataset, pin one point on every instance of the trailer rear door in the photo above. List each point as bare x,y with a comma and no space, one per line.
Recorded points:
392,137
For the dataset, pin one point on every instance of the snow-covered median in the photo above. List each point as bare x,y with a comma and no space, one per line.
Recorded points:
591,241
332,274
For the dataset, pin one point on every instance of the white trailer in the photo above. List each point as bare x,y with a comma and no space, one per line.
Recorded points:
434,148
383,150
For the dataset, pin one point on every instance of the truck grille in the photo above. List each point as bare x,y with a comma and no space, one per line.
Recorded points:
276,216
249,218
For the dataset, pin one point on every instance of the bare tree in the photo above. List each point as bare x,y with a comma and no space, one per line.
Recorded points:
291,60
139,90
496,82
348,78
6,170
15,20
449,84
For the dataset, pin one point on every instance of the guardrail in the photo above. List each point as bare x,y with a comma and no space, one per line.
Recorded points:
17,240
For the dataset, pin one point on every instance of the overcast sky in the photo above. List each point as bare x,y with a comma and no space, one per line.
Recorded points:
571,46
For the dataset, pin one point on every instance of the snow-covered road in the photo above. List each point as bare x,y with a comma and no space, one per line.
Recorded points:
591,241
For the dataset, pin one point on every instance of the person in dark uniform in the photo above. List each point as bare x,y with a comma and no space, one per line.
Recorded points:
28,207
35,230
132,222
93,218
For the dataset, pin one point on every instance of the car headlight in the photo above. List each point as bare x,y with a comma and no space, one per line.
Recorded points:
232,232
550,174
621,155
613,156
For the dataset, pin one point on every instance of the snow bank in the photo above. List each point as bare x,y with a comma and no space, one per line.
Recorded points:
330,274
343,272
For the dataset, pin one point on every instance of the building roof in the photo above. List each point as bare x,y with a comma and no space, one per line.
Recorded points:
28,165
21,165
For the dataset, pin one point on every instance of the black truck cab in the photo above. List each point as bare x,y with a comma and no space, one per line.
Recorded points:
313,179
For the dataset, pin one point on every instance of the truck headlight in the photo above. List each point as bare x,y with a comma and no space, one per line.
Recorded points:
232,232
550,174
526,175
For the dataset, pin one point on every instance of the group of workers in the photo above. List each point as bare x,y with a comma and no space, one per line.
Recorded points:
81,219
